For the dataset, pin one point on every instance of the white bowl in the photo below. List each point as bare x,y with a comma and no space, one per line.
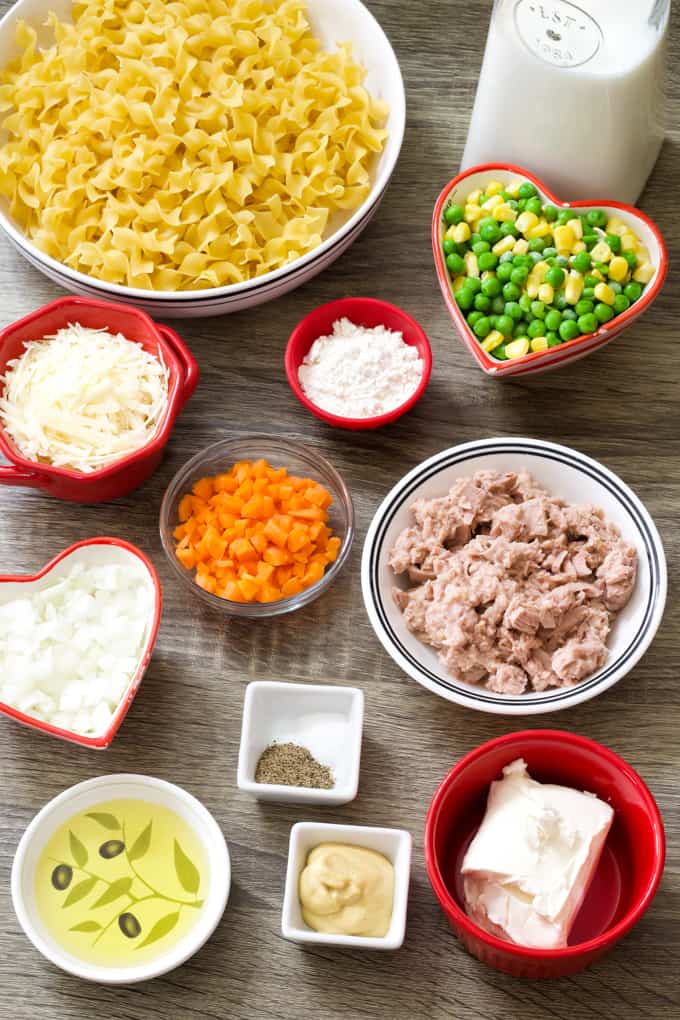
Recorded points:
395,844
348,21
86,795
328,721
563,472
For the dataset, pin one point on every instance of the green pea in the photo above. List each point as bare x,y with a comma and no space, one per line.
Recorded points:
550,212
590,240
454,264
509,229
482,198
536,256
525,303
582,262
588,323
615,286
583,307
498,305
511,291
621,303
564,216
487,261
631,258
474,284
453,214
553,318
568,330
504,271
555,277
562,261
499,352
491,287
505,325
553,339
526,190
520,328
493,319
603,312
490,232
588,294
560,302
474,239
513,203
465,299
521,204
596,217
482,327
549,252
602,267
507,256
482,302
521,260
536,244
590,281
480,247
535,328
473,317
632,290
614,242
519,275
534,205
506,196
538,309
449,245
514,310
570,314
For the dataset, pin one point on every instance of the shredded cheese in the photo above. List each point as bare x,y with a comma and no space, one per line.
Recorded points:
83,398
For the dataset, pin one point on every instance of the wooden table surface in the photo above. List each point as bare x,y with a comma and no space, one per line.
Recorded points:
620,406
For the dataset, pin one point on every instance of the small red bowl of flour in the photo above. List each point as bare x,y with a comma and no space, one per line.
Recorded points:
358,363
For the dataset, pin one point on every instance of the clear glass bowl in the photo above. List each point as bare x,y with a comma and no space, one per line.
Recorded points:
299,460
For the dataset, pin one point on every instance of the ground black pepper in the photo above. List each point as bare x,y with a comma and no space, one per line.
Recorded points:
292,765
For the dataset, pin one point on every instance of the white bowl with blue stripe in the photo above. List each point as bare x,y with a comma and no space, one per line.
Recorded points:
562,472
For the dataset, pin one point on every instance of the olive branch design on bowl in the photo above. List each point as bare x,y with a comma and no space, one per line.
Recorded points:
114,891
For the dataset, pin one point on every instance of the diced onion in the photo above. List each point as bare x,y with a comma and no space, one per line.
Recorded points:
83,398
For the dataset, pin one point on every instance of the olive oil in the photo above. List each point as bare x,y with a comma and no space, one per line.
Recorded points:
121,883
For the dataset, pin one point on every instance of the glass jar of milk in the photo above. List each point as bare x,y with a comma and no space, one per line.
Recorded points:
573,92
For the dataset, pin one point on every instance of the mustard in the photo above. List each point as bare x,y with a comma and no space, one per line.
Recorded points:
347,890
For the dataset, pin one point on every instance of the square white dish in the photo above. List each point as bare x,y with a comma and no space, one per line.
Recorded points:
327,720
395,844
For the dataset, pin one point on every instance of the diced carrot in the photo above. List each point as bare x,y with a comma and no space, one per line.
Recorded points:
318,496
291,587
277,557
203,488
275,533
265,570
259,541
187,557
298,538
333,548
309,513
241,549
185,508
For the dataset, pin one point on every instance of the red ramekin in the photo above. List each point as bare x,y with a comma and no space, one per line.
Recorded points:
129,472
367,312
626,879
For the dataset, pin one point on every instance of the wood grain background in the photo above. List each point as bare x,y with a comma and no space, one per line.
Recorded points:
620,406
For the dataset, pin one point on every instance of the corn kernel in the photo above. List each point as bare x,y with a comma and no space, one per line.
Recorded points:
513,188
504,213
618,269
603,292
564,239
472,213
616,226
461,233
579,247
644,273
494,187
629,241
474,196
505,244
471,264
494,340
518,347
520,247
525,221
597,274
539,343
546,293
492,202
533,287
577,226
540,271
486,274
542,229
601,252
642,253
574,287
458,283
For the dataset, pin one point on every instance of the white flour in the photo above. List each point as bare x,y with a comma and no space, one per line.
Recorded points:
359,372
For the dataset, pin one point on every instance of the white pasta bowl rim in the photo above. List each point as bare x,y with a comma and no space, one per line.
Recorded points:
87,794
353,9
408,652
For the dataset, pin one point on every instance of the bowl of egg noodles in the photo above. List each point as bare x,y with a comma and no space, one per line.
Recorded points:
193,160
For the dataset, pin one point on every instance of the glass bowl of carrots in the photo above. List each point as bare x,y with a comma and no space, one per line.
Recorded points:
257,525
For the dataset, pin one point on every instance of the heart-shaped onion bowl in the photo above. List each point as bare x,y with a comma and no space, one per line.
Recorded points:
91,552
542,361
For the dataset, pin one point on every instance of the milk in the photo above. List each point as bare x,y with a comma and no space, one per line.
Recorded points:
573,94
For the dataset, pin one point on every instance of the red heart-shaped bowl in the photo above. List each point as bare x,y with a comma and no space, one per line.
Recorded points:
91,551
553,357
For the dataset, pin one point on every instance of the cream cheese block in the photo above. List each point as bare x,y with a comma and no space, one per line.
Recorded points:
529,866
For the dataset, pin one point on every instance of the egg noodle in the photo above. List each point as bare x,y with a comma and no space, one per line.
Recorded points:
183,145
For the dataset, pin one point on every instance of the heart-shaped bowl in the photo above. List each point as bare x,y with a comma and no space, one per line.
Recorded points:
91,552
542,361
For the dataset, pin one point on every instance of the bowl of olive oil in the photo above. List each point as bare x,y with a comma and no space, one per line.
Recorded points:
121,878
